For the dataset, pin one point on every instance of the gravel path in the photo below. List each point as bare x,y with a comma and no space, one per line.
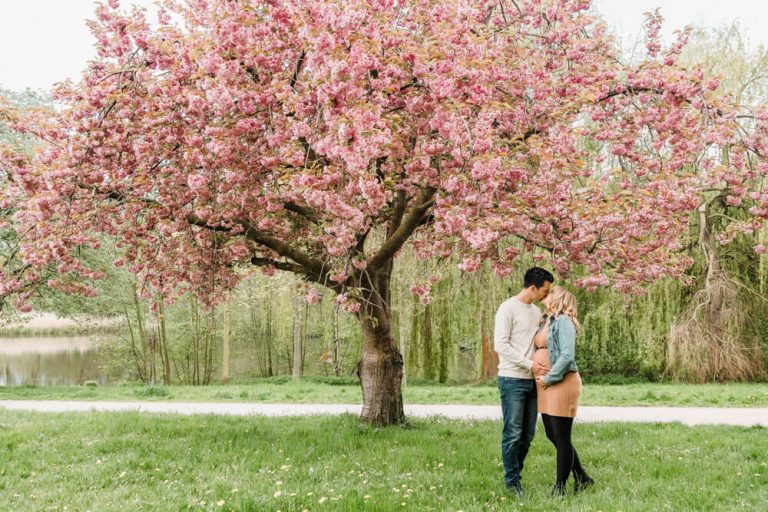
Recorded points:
685,415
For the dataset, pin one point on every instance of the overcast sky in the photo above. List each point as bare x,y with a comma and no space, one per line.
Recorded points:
46,41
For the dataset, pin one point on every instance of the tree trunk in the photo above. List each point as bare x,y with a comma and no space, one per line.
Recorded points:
445,344
304,331
162,336
413,341
142,336
381,368
402,332
225,346
428,343
297,324
268,334
139,360
210,343
490,363
335,346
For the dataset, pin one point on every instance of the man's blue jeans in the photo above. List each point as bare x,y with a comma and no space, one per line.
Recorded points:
518,408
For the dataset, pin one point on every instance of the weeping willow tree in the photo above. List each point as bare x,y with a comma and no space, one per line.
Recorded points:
627,336
720,333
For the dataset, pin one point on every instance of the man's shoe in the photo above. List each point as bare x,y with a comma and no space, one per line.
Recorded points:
582,483
517,490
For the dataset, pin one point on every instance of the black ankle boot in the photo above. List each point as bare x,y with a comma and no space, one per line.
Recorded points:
582,482
558,491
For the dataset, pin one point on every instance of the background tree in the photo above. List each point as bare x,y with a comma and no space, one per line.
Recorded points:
319,137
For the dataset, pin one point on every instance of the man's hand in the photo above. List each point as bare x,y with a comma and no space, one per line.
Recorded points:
538,369
540,380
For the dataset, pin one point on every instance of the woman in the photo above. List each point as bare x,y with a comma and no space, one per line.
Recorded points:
559,390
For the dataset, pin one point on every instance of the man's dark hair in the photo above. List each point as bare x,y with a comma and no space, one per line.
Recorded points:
536,276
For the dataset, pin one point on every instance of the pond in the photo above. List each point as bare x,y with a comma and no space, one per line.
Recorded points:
49,361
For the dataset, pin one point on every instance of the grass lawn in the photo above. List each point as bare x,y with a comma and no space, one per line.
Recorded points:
131,461
646,394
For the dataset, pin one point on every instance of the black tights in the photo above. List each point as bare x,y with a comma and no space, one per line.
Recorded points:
558,431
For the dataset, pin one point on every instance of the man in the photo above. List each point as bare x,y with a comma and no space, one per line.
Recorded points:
517,321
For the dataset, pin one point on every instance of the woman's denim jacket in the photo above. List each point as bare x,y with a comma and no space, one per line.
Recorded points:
561,347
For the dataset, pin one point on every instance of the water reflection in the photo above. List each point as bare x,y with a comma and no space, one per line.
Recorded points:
51,361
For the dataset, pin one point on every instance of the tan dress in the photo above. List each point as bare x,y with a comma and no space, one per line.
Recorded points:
561,399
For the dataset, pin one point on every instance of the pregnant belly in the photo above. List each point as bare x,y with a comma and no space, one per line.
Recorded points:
541,356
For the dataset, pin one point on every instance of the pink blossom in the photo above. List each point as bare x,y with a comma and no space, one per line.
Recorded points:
312,297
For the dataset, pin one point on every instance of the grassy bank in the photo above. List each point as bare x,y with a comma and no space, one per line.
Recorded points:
128,461
647,394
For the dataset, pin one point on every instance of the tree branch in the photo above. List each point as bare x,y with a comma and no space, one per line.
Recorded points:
279,265
305,212
313,265
401,201
411,221
297,70
283,249
311,155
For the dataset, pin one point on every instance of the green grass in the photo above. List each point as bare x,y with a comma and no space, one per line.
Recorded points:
647,394
131,461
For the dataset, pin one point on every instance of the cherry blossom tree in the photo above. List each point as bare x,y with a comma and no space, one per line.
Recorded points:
319,137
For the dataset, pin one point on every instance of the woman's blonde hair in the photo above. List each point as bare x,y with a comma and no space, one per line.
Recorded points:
562,302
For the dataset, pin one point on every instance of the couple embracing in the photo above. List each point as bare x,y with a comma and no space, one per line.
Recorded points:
538,374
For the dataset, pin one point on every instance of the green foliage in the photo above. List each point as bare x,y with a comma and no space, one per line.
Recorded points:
626,335
152,392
